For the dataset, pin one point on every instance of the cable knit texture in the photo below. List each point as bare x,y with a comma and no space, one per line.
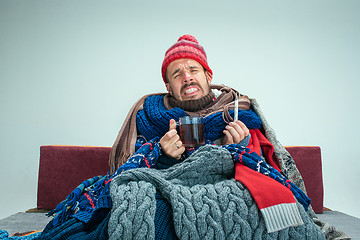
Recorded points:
207,203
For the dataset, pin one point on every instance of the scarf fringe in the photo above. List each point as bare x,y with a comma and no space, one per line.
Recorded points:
118,163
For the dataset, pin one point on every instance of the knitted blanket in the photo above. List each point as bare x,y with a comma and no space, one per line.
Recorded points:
281,208
207,202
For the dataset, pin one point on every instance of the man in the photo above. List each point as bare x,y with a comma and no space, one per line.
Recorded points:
152,120
186,79
230,189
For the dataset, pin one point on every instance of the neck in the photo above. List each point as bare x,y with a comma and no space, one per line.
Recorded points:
193,105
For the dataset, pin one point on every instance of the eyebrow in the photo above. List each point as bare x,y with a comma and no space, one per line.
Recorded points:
193,67
179,69
176,71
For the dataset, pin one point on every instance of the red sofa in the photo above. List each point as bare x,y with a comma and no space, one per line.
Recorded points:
63,168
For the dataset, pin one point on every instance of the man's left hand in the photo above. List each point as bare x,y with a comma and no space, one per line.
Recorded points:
235,132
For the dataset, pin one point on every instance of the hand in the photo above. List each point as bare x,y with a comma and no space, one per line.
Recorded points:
235,132
171,143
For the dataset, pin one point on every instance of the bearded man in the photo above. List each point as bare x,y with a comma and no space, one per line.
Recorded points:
242,184
187,77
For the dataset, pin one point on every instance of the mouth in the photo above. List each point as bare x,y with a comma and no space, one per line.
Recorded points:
190,90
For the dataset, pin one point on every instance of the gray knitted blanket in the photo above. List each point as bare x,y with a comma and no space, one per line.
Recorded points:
207,202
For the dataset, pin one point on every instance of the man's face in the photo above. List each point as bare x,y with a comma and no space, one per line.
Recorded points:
187,80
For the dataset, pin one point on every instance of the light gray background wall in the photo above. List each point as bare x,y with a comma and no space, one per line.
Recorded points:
70,71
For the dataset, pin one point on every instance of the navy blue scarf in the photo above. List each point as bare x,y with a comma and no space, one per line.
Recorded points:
153,120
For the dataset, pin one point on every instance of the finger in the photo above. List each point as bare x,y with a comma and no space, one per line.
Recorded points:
241,128
168,143
244,127
236,136
176,145
169,139
179,144
175,138
237,127
179,152
172,124
169,136
176,150
170,147
228,139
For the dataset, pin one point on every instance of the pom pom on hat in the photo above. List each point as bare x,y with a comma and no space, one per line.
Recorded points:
186,47
188,38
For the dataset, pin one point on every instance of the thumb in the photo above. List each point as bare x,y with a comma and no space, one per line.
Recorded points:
172,124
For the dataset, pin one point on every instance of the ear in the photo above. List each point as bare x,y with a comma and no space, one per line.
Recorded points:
168,88
208,76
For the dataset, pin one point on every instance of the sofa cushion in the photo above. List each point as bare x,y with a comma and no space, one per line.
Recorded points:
308,161
63,168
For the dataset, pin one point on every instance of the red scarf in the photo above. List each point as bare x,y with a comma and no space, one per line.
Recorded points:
275,201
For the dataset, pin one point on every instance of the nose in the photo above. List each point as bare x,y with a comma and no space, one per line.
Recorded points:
187,76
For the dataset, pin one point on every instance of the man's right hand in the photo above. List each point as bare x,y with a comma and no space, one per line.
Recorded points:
171,143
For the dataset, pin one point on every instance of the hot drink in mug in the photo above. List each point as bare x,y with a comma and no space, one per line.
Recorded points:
191,131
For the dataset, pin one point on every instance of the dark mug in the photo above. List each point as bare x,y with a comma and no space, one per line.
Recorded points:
191,131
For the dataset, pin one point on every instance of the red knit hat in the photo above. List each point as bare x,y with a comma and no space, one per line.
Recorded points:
186,47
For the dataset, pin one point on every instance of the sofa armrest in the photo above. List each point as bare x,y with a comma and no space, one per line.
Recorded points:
63,168
308,161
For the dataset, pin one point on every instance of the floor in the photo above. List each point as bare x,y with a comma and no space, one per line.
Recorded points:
23,221
346,223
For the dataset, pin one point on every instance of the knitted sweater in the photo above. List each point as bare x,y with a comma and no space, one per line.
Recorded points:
207,203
